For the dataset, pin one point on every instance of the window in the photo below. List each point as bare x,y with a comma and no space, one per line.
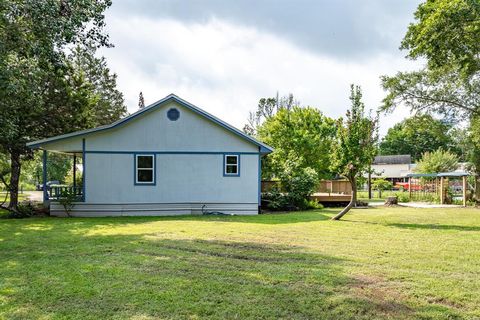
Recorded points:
231,165
144,169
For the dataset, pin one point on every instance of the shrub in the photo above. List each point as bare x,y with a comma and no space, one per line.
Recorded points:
312,204
403,197
380,185
275,200
67,199
24,210
298,183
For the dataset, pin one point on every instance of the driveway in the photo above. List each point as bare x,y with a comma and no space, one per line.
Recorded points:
36,196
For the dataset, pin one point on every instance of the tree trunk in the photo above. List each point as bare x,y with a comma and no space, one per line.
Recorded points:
477,189
15,168
353,200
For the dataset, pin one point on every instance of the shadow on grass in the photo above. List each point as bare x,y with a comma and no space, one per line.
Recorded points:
57,273
412,226
433,226
266,218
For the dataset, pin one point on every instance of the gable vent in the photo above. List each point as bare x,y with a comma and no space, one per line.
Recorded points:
173,114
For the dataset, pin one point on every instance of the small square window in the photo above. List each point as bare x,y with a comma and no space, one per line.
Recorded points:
231,165
145,169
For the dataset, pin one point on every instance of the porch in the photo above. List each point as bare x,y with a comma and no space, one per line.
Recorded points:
53,192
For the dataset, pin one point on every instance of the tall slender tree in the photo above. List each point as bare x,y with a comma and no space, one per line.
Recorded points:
141,101
356,146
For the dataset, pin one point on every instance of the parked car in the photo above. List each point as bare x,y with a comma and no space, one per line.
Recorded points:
49,185
405,186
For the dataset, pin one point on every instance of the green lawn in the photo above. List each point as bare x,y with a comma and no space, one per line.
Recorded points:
378,263
21,196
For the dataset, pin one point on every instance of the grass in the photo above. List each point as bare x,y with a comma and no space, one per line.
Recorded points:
381,263
403,196
21,196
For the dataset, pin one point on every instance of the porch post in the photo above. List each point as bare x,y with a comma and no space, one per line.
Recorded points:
464,189
74,174
84,171
410,188
44,178
259,183
442,191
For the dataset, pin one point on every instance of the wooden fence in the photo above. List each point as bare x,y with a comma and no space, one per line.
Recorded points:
335,186
325,186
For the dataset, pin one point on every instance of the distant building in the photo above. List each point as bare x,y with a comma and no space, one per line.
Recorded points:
394,168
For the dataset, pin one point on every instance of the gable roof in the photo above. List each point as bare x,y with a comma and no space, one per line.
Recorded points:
171,97
393,159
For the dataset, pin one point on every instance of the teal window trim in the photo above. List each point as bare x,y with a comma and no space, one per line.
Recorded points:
225,164
135,169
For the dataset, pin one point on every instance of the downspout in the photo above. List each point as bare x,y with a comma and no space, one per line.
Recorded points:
84,169
259,180
44,177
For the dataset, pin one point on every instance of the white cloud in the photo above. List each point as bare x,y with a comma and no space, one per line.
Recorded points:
225,68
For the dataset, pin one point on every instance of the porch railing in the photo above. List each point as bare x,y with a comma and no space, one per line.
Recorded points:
56,192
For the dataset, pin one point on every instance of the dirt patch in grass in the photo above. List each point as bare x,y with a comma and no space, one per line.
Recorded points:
444,302
381,294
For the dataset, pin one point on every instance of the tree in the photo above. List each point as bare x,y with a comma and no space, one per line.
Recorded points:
380,185
445,35
267,108
416,135
437,161
356,145
45,91
141,101
300,135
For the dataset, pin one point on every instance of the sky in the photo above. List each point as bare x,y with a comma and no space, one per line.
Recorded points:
224,55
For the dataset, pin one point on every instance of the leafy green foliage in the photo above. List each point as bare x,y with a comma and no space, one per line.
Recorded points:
67,200
416,135
275,200
300,135
381,184
299,183
445,34
44,89
356,144
437,161
24,210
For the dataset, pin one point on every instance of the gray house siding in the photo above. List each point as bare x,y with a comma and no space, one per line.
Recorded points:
189,167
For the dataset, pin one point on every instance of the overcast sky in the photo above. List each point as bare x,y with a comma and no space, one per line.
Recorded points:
223,56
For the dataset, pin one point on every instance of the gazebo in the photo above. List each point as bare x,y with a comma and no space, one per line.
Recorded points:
438,183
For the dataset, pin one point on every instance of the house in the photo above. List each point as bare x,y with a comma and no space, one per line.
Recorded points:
168,158
394,168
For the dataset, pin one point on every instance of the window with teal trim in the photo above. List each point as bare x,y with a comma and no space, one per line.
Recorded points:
231,165
144,169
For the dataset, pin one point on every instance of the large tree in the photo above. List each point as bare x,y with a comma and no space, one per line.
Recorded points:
446,35
417,135
300,135
356,145
44,90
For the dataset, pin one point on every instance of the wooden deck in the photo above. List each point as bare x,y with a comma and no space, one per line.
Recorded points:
330,197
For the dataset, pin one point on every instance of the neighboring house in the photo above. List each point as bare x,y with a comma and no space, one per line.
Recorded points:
168,158
394,168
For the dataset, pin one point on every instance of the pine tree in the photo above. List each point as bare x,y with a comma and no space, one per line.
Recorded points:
141,101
